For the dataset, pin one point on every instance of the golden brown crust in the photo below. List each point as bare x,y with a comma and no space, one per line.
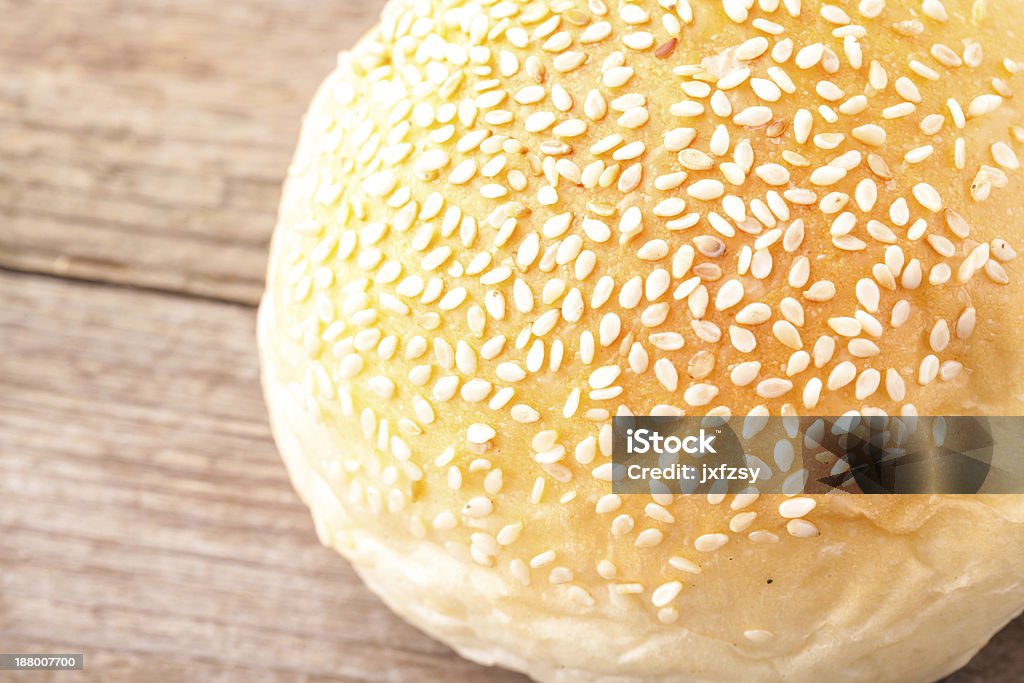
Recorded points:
504,225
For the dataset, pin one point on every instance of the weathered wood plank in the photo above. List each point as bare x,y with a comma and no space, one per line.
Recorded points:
144,141
145,518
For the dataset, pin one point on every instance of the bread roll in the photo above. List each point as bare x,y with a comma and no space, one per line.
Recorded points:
508,222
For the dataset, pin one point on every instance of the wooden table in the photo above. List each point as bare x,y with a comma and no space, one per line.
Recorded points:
144,516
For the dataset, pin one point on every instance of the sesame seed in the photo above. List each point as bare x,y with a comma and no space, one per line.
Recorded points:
687,109
478,507
753,117
666,593
751,49
1004,155
772,174
604,376
773,388
700,394
706,189
803,123
666,48
796,507
827,175
648,538
571,128
846,327
733,79
596,32
983,105
708,543
678,139
928,370
766,90
918,154
801,528
934,9
617,76
927,196
730,294
939,337
842,374
809,56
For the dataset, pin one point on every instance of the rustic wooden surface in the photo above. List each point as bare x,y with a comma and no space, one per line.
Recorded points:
144,141
144,516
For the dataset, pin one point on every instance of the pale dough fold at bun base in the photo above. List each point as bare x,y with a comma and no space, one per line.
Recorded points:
508,222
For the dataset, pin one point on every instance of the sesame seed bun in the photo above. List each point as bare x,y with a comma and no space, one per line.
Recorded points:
507,223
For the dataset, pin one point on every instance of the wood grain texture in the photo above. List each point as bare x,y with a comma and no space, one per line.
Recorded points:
145,517
144,141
